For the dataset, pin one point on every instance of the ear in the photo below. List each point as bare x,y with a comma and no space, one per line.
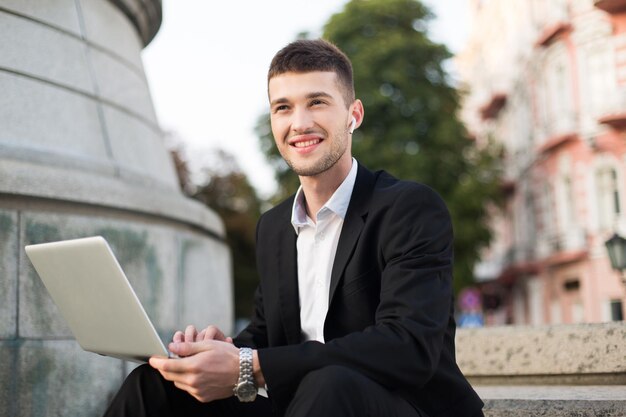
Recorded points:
357,112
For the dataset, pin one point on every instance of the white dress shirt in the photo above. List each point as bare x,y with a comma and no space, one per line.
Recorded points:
317,246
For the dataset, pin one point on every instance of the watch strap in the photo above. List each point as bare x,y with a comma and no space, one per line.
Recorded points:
245,390
245,365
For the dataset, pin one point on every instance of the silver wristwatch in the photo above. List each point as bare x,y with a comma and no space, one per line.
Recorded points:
245,390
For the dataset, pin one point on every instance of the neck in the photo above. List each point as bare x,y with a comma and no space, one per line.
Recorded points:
319,188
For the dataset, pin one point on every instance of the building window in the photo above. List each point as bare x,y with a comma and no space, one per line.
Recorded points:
557,100
615,192
566,204
609,207
571,285
548,212
600,79
528,211
617,313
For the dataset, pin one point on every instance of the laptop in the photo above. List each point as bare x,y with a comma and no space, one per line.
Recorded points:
94,296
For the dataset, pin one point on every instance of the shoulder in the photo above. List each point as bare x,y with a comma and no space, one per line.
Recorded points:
410,218
277,215
389,192
280,210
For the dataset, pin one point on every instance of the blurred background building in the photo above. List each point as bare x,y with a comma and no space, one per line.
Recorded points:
547,81
81,154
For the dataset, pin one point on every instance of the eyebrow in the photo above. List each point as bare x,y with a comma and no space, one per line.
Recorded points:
278,101
316,94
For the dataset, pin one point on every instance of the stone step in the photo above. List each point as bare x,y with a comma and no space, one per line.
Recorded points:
554,401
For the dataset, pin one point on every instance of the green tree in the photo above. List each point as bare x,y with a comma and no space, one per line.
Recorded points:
411,128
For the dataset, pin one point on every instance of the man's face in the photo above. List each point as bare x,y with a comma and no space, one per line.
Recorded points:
310,120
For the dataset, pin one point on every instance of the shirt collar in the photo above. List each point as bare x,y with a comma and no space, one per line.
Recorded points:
338,202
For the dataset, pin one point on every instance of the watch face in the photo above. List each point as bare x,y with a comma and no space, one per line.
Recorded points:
246,391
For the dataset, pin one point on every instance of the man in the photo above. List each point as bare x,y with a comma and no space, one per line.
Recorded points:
354,311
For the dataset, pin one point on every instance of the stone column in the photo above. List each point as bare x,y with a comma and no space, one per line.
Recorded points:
81,154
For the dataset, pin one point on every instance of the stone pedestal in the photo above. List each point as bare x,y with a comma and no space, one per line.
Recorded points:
81,154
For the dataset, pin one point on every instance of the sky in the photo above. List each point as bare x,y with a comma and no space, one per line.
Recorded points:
207,68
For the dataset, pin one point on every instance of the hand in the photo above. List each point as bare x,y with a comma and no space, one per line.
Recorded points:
192,335
208,370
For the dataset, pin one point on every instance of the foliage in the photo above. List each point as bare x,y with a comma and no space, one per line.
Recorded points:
411,127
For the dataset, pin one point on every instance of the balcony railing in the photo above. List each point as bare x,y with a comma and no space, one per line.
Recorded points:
614,114
564,246
520,254
515,259
556,131
489,269
573,239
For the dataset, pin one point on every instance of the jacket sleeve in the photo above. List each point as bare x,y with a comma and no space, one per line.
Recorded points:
401,350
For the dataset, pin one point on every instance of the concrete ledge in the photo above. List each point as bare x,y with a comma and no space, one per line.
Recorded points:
581,354
554,401
22,180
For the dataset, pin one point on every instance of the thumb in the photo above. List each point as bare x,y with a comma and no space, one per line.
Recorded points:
183,349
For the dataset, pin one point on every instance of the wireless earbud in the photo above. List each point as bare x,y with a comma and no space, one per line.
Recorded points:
353,125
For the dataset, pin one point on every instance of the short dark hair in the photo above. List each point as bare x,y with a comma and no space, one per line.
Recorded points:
308,55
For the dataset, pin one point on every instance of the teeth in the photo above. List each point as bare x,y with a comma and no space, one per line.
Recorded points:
307,143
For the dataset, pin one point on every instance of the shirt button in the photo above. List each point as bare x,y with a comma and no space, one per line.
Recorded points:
321,236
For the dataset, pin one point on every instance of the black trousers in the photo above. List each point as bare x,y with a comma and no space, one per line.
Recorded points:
327,392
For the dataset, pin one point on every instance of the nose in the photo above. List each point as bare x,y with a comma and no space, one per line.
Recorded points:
302,121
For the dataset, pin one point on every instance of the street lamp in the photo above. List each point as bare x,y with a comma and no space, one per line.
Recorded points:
616,246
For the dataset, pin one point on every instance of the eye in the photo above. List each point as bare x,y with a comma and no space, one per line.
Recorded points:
316,102
281,108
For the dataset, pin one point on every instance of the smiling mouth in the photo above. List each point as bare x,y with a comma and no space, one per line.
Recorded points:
306,143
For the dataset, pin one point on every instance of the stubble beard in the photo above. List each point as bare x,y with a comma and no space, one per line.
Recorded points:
327,161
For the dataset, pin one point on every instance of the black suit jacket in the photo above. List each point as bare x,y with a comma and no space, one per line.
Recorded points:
390,312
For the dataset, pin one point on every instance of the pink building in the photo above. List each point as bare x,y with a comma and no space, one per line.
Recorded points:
547,80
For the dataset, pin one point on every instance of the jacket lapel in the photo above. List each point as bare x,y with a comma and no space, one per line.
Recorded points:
352,225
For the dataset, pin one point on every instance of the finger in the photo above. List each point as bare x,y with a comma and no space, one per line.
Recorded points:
190,334
169,367
201,335
229,340
189,349
214,333
178,337
183,386
157,362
